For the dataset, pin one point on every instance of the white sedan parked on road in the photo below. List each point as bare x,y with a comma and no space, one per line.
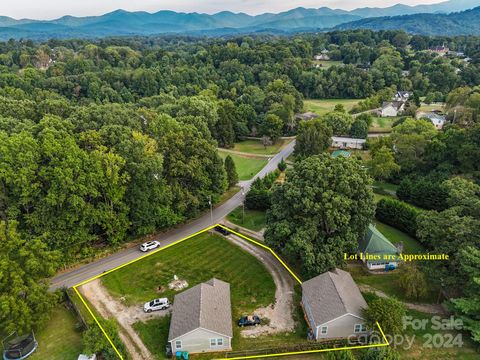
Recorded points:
149,245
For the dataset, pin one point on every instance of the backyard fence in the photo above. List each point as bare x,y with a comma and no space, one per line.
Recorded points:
73,306
308,346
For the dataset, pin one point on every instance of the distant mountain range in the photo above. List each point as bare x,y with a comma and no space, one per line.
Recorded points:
461,23
121,23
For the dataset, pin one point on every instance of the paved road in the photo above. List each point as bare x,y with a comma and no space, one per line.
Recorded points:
85,272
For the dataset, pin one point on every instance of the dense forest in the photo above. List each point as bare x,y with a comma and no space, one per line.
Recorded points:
102,141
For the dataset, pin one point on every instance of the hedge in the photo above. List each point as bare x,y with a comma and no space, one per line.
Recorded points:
398,214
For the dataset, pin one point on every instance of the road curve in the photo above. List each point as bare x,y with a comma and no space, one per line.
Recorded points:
87,271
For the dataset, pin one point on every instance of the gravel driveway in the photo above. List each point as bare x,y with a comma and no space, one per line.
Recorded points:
109,307
279,313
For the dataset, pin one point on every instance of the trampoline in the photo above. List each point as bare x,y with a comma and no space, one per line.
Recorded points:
19,347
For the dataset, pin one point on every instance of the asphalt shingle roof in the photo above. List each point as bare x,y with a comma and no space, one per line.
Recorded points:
333,294
206,305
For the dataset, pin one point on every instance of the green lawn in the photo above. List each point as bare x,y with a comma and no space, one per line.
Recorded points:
328,63
465,351
60,339
387,283
247,166
154,334
256,147
382,125
389,187
431,107
196,260
411,245
254,219
324,106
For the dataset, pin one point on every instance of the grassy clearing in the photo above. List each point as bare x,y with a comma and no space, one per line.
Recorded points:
420,349
247,166
324,106
382,125
387,283
410,245
254,219
60,339
154,334
197,260
256,147
325,64
431,107
389,187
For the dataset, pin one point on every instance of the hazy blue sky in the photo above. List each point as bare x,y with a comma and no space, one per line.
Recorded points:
50,9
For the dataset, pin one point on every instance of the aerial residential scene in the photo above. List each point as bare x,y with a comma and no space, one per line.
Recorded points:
240,179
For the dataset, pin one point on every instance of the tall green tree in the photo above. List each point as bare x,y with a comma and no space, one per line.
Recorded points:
231,170
25,266
320,212
468,306
272,127
383,165
388,312
313,138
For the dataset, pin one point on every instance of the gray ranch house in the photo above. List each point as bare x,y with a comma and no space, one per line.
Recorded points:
333,306
202,319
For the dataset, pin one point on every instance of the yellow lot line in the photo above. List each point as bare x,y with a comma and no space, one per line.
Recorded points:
234,358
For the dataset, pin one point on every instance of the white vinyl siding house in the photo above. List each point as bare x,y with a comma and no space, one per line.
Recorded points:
202,319
333,306
201,340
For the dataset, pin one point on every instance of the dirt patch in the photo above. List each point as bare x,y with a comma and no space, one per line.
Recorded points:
280,313
109,307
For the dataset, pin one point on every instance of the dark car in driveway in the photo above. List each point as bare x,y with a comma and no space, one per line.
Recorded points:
252,320
222,230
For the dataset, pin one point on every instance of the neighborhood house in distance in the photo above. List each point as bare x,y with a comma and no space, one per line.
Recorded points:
333,306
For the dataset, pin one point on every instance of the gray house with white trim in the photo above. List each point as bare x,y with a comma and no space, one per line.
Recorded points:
333,306
202,318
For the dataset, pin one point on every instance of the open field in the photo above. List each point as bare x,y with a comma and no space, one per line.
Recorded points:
247,166
256,147
324,106
382,125
325,64
431,107
60,339
254,219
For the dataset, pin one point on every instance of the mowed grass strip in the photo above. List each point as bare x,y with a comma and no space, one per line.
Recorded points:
324,106
256,147
247,166
60,338
196,260
154,334
410,245
254,219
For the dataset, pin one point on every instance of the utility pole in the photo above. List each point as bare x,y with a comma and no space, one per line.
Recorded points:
211,208
243,205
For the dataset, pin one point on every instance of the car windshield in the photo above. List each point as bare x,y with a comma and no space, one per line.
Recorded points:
152,303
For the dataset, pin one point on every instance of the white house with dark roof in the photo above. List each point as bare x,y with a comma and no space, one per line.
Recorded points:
333,306
202,319
392,108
